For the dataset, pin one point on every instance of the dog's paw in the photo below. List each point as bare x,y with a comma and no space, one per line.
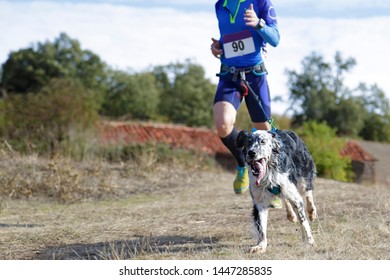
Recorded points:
310,241
313,215
258,250
292,217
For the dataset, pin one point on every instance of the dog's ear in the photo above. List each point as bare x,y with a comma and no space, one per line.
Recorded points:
241,138
273,133
276,144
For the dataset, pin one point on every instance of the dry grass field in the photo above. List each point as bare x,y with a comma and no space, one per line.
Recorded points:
60,209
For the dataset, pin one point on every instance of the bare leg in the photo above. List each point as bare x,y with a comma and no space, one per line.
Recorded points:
224,118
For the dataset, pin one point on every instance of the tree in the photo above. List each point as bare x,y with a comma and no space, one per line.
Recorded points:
176,93
133,95
28,70
319,94
316,91
348,116
45,118
187,95
377,107
192,98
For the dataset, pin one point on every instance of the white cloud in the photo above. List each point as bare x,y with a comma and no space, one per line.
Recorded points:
333,4
364,40
123,36
128,37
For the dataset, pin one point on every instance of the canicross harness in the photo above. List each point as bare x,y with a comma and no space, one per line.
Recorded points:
245,86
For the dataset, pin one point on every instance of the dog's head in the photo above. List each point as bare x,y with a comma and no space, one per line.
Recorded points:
257,148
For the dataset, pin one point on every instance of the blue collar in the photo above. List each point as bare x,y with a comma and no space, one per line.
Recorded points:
275,190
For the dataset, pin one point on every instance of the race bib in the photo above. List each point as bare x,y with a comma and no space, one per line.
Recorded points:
238,44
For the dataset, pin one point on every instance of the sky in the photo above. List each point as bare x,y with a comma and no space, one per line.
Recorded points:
136,34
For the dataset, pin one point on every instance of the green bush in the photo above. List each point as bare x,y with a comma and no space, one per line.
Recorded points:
325,148
2,120
43,122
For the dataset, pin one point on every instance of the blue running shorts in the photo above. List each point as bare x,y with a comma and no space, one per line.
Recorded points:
229,91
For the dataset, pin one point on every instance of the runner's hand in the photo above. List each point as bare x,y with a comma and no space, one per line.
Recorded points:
216,48
250,17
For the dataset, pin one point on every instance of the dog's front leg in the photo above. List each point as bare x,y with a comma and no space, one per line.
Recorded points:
311,208
260,217
291,216
292,195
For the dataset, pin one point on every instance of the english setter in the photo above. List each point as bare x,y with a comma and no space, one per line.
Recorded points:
279,163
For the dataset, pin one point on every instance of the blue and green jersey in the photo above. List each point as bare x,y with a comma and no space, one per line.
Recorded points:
243,45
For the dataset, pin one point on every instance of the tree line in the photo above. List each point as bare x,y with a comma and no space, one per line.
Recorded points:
170,92
56,86
53,87
318,93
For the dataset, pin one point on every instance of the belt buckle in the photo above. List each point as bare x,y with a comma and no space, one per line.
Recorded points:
242,75
232,70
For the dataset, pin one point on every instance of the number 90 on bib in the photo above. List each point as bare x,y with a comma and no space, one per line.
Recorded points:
238,44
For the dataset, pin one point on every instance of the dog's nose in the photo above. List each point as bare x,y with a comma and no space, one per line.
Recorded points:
251,154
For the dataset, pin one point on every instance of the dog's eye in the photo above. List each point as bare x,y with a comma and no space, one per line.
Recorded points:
263,141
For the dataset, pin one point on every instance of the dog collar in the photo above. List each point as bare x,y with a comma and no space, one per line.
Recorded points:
275,190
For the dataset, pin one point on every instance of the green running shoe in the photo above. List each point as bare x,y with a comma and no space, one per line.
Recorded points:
241,183
276,203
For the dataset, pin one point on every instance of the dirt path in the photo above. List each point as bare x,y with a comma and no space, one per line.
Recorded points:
179,215
381,152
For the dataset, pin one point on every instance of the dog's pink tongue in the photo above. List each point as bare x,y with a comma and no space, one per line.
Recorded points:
261,166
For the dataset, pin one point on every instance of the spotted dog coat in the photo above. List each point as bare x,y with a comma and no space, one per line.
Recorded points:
279,159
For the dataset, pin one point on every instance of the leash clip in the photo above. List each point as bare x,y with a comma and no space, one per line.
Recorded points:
242,75
244,88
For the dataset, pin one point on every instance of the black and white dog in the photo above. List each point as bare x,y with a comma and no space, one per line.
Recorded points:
279,163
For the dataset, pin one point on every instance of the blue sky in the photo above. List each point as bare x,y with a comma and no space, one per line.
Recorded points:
136,34
293,8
